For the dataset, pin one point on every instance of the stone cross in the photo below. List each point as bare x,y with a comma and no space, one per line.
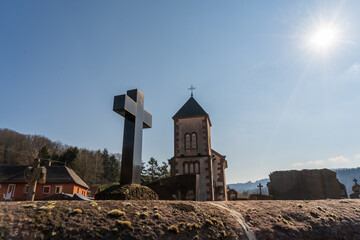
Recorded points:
260,186
131,107
34,174
355,181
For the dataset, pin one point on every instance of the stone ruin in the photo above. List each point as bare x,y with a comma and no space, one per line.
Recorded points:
305,184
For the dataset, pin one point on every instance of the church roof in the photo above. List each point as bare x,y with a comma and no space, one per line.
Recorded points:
190,109
55,174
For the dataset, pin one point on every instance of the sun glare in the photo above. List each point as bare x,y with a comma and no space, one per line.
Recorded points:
324,37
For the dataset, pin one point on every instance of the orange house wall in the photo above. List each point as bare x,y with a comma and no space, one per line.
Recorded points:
70,188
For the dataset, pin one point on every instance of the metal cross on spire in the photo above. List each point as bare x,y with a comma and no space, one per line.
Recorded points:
191,89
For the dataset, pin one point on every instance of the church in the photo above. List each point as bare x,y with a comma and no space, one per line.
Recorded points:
193,153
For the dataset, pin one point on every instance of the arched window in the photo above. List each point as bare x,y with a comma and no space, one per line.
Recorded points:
197,168
187,141
191,165
193,140
186,168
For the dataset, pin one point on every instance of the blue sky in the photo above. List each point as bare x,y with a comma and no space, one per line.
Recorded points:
276,101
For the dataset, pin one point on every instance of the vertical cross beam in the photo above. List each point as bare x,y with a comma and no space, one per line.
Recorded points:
131,107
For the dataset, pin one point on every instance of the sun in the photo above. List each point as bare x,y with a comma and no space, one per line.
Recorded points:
324,37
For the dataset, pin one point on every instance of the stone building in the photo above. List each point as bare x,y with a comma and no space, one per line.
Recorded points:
193,153
305,184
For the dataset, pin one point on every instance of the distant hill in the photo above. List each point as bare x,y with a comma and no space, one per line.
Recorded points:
250,187
344,175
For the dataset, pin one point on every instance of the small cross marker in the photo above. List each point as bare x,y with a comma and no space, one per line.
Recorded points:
192,88
260,186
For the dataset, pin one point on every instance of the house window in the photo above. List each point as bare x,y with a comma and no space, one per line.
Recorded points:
58,189
46,189
193,140
187,141
186,168
78,190
10,191
26,189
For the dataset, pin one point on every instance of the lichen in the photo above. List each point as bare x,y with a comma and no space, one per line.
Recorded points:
77,211
314,214
126,224
321,209
29,205
173,229
144,215
192,226
116,213
208,221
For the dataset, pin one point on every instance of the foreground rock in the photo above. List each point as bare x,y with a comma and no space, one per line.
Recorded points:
321,219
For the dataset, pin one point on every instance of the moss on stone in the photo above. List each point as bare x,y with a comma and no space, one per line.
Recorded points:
116,213
173,229
126,224
77,211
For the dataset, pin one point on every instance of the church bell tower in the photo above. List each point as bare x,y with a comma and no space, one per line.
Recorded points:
192,147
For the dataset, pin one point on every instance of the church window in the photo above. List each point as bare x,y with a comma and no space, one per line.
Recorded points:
187,141
186,168
191,165
193,140
197,167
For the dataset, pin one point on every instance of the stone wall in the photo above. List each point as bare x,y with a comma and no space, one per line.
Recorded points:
182,187
305,184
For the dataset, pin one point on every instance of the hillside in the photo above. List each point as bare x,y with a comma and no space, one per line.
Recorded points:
250,187
94,167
